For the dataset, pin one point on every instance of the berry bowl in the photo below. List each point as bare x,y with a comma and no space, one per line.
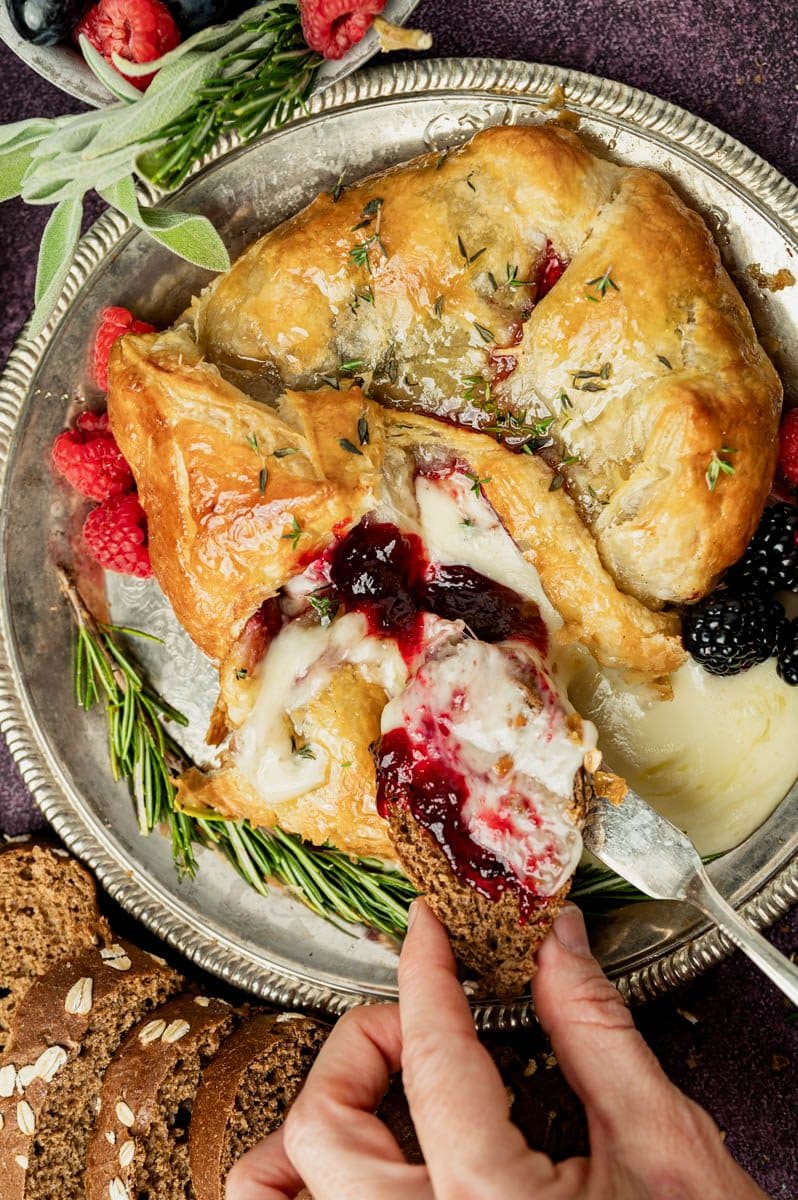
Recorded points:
63,66
271,944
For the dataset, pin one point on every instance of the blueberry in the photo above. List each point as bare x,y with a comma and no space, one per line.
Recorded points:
192,15
45,22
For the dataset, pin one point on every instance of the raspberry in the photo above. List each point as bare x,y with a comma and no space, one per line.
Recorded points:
788,447
113,323
89,458
116,536
332,27
139,30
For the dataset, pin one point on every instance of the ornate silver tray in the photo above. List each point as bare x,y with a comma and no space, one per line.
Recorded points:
275,947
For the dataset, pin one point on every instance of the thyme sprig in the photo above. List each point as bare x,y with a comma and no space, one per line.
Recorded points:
601,284
718,466
358,891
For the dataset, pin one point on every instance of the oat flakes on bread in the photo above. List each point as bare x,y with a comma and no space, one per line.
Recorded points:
139,1144
246,1091
66,1030
48,910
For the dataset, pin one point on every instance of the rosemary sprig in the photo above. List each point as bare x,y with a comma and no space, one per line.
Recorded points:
142,751
598,890
718,466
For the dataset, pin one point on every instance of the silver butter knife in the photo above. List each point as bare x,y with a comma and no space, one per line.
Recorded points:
642,847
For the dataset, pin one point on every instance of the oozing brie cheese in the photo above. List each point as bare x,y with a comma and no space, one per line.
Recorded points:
490,716
715,760
297,666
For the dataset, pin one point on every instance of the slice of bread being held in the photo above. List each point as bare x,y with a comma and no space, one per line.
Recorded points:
246,1092
48,910
66,1030
481,777
139,1146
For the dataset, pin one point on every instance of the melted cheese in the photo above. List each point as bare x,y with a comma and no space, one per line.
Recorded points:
459,526
471,709
715,760
298,665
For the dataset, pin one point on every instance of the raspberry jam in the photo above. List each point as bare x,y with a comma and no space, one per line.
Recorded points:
435,794
550,269
383,573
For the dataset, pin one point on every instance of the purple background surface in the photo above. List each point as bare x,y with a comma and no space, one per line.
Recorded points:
726,1039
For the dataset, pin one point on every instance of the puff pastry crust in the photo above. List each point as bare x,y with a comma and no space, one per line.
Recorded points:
241,496
646,384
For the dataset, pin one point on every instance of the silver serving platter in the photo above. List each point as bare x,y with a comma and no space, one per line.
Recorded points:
64,67
274,947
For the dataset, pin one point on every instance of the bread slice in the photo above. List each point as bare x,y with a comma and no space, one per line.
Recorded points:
66,1030
246,1092
139,1146
48,910
494,948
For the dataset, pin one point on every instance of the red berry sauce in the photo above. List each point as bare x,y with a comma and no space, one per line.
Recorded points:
550,269
436,794
383,573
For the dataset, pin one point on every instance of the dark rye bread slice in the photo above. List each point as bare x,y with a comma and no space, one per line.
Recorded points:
246,1092
66,1030
139,1147
494,949
48,910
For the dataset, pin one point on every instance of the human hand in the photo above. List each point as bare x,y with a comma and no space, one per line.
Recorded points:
648,1141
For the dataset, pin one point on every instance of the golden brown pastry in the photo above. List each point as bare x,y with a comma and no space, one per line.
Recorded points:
244,501
439,283
222,533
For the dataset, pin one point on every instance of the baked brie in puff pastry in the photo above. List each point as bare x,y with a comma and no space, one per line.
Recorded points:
524,285
385,596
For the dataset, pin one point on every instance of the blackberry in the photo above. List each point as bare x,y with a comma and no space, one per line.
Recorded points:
727,633
770,562
788,653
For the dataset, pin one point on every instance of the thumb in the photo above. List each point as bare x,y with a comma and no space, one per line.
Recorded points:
601,1054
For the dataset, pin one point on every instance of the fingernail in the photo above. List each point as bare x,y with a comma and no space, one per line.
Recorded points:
569,929
412,913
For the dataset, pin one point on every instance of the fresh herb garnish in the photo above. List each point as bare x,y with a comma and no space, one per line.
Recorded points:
601,284
294,534
591,381
437,307
241,673
479,392
441,160
351,366
469,258
665,362
239,76
305,751
556,483
284,451
363,430
718,466
325,606
483,331
470,181
252,442
512,278
338,189
345,444
263,479
492,281
477,483
372,208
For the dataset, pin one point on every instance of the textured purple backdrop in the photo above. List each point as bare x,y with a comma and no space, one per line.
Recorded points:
725,1039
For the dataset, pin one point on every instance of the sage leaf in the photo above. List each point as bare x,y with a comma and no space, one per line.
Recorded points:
18,132
176,88
108,76
57,247
14,163
188,235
